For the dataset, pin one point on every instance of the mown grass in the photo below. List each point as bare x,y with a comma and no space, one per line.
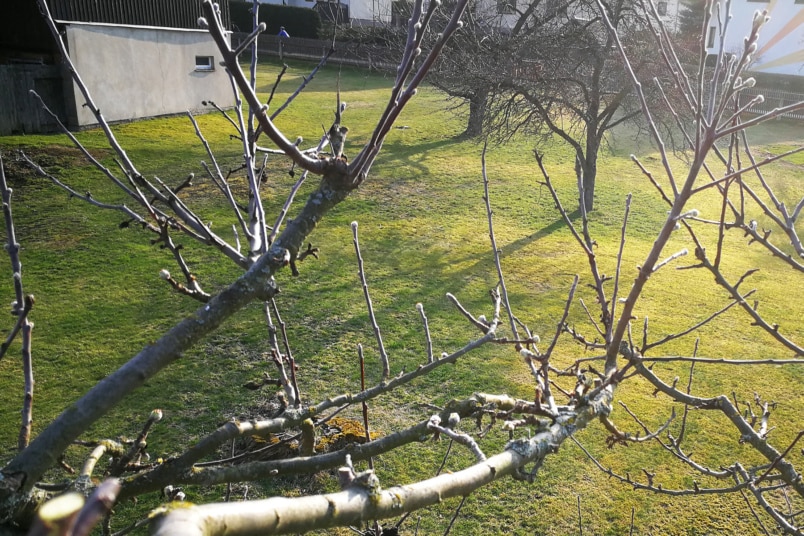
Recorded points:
423,233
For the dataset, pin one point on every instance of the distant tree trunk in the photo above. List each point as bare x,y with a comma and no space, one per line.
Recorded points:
478,103
589,166
586,165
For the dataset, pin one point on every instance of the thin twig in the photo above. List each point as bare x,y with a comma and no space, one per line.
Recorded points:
364,404
386,369
455,516
495,250
428,339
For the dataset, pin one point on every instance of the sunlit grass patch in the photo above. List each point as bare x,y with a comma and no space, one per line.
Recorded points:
423,233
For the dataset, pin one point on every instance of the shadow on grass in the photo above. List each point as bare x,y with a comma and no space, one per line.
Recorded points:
441,266
541,233
400,152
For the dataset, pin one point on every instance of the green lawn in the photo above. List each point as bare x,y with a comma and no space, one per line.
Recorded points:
423,233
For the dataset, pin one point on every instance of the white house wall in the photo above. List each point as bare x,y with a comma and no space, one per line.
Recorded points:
672,11
781,40
135,72
488,11
369,11
294,3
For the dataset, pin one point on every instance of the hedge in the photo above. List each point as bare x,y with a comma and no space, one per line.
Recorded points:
298,21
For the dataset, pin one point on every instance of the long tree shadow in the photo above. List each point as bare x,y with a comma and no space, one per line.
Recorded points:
400,152
541,233
441,265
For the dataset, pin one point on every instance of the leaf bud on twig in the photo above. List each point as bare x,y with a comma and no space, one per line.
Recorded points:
527,355
689,214
454,420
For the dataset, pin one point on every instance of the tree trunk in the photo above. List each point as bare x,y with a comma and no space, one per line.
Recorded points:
477,113
589,164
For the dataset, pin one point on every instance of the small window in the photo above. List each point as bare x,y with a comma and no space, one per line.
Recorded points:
661,8
710,40
204,63
506,7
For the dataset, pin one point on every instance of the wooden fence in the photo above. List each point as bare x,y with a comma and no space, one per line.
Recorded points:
20,113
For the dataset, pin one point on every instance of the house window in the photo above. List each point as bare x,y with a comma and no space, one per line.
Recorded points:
710,40
506,7
661,8
204,63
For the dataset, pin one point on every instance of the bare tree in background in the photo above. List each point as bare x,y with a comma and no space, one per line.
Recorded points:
548,68
565,80
568,399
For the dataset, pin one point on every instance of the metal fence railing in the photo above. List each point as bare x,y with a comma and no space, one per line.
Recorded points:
347,53
774,98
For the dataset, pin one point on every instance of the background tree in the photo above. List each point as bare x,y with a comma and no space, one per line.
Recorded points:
565,79
624,354
691,17
469,72
548,68
463,72
693,25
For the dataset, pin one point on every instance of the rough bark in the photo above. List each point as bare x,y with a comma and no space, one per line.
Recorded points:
478,104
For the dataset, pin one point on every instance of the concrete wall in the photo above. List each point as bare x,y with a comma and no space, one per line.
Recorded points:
369,11
780,40
294,3
135,71
672,10
487,11
360,11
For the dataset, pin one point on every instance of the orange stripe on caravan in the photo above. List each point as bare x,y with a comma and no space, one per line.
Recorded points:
793,57
794,23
